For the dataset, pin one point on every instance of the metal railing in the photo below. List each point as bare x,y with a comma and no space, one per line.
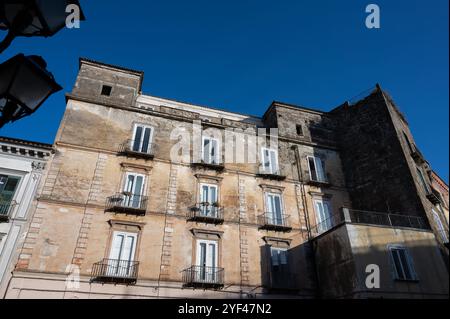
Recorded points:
134,147
6,208
203,276
126,203
115,270
269,221
275,174
206,212
370,218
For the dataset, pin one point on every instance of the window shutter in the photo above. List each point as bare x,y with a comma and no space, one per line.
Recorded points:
411,265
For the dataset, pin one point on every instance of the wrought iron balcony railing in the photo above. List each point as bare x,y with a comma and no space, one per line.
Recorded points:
434,197
127,203
370,218
203,277
6,208
113,270
320,183
135,148
277,223
271,174
206,212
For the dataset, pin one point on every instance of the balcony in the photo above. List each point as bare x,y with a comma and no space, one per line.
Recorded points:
115,271
434,197
203,277
269,174
206,213
6,208
268,222
133,148
353,216
126,203
318,183
209,165
417,156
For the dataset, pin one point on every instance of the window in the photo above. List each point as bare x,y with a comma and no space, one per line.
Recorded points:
323,215
422,180
278,257
402,263
206,260
316,171
142,139
440,226
134,190
208,200
122,254
299,128
274,208
210,150
8,188
106,90
270,161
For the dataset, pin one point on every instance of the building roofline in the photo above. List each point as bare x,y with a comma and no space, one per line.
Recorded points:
292,106
439,179
18,141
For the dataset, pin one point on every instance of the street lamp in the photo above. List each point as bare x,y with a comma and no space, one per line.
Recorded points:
33,18
24,85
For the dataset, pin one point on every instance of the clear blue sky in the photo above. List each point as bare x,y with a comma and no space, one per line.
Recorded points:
241,55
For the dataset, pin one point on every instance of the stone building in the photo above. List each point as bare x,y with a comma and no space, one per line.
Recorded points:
127,211
21,167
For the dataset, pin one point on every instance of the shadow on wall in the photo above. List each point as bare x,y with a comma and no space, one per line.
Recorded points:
342,257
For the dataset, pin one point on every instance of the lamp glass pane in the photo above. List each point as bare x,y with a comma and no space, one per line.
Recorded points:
30,87
54,13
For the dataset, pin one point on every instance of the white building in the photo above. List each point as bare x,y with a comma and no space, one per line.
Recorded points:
22,164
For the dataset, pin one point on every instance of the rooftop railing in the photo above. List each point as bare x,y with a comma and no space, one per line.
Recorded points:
370,218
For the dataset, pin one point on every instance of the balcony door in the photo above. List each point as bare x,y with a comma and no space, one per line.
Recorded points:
133,190
121,256
142,139
323,215
269,161
207,251
210,150
274,209
208,200
8,187
440,226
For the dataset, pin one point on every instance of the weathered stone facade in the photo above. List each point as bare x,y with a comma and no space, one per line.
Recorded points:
352,157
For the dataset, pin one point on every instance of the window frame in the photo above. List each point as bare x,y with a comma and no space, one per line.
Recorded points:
141,142
272,169
317,159
409,264
218,152
440,225
328,221
266,203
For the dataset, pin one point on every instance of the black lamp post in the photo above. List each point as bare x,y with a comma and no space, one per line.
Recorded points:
33,18
24,85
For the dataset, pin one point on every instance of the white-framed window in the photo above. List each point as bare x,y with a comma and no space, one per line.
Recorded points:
269,160
207,252
278,257
122,254
209,198
422,180
274,209
210,150
8,187
402,264
142,139
316,169
440,226
324,216
133,189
